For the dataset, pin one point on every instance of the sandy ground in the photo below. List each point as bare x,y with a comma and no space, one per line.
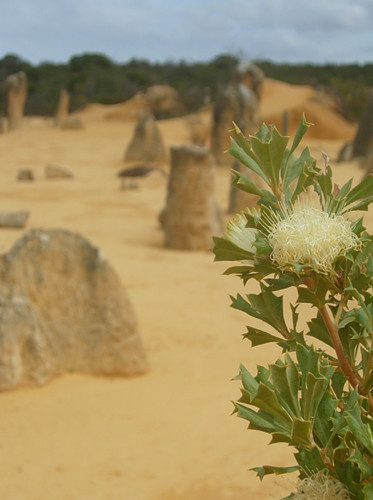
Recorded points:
169,434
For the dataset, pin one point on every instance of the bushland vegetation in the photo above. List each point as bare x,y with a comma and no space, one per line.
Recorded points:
95,78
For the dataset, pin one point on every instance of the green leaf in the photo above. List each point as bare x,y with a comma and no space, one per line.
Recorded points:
303,126
295,166
283,281
363,190
362,316
262,246
264,133
323,425
349,475
362,432
301,432
368,490
245,397
316,296
242,182
312,394
239,270
259,337
344,190
265,306
365,468
315,379
270,154
325,183
365,253
264,265
226,250
338,383
248,381
368,378
261,421
361,206
286,381
246,157
280,437
270,469
318,330
304,181
267,401
310,461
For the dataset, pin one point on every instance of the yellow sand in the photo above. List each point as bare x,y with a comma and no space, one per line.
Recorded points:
167,435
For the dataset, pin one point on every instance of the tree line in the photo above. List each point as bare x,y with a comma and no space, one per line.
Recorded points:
95,78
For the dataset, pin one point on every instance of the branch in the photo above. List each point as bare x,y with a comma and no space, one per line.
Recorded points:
344,364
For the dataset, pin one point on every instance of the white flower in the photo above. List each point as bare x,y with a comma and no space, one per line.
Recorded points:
241,236
309,236
321,486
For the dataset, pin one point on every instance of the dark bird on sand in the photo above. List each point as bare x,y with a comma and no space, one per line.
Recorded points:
136,172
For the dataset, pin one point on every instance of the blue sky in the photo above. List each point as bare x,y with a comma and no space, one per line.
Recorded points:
318,31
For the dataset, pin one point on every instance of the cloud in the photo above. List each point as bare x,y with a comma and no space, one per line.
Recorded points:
159,30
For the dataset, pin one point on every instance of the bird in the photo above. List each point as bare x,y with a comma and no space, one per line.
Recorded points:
141,170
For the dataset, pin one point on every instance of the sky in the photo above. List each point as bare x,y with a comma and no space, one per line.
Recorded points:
283,31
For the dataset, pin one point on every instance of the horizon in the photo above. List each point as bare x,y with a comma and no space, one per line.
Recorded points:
282,31
182,60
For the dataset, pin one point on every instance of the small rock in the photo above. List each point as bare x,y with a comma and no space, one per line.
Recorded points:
25,174
14,219
57,172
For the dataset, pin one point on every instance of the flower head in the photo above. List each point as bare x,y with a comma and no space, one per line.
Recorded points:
237,233
321,486
310,236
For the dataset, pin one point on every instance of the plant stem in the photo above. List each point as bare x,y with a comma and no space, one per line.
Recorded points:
343,361
345,366
340,309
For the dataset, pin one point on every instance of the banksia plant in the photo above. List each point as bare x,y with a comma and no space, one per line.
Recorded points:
306,233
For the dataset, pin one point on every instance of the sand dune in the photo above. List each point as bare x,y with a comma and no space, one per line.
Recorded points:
167,435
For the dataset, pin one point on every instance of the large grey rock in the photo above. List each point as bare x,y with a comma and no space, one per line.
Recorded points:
63,309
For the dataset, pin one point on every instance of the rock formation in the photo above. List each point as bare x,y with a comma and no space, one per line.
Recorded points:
237,102
198,130
3,124
191,216
362,145
62,111
15,86
147,143
63,309
163,101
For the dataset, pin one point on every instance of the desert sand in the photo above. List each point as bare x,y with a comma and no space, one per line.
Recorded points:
169,434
